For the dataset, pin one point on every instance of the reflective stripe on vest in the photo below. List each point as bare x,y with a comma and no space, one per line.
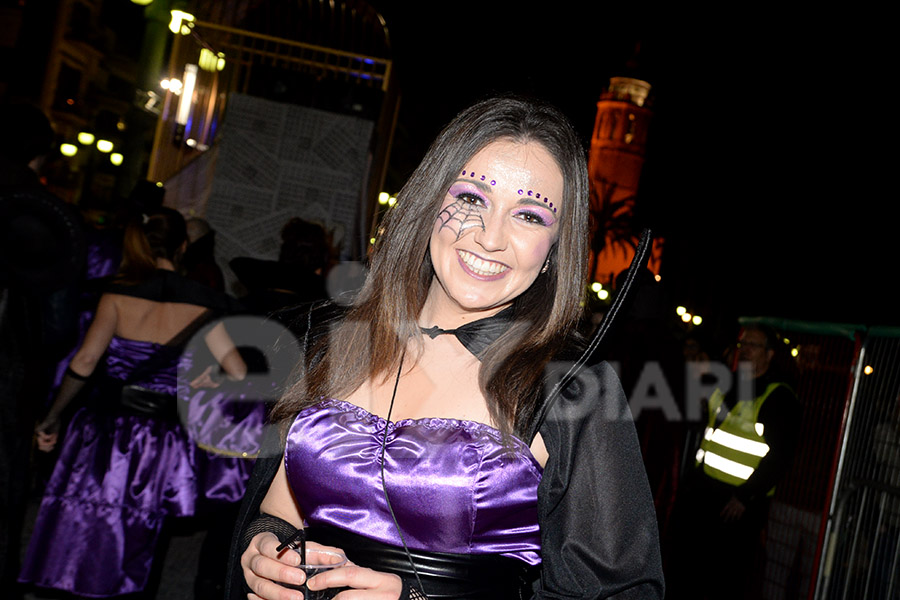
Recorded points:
731,452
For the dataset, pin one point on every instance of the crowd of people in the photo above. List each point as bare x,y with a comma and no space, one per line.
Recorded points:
452,431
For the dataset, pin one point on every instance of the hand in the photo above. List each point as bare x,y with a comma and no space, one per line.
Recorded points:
733,510
367,584
263,566
204,379
47,434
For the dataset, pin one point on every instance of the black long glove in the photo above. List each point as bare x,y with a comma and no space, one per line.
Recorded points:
70,386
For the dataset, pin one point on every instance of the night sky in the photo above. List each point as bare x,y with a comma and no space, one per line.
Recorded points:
762,163
766,160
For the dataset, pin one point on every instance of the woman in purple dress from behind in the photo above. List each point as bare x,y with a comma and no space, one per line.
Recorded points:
419,439
126,463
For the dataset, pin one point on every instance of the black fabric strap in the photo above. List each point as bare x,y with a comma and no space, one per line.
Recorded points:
181,338
169,286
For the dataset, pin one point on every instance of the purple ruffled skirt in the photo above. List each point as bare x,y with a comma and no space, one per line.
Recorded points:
116,480
119,477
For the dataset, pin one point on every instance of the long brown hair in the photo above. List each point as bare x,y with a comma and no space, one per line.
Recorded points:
159,234
370,340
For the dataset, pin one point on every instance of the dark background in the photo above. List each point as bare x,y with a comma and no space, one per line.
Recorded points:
765,152
768,153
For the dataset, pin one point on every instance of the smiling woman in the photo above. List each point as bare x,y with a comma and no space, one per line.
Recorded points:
412,439
491,238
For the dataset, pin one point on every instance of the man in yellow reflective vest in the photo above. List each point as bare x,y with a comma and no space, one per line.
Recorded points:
747,446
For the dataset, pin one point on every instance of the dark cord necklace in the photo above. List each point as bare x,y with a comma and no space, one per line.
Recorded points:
387,422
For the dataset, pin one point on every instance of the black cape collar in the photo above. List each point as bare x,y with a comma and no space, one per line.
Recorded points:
168,286
476,336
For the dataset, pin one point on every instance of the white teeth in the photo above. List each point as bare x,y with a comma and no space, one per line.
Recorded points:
479,266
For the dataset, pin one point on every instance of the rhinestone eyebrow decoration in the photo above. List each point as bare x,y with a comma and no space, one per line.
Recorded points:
522,192
483,177
537,195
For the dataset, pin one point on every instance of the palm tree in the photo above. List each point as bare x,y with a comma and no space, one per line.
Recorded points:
613,223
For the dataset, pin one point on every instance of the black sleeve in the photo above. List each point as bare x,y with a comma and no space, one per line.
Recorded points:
599,531
308,323
780,415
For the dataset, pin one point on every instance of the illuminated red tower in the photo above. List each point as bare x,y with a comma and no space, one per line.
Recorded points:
618,147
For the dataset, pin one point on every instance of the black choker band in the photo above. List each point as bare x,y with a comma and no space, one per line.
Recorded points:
477,335
435,331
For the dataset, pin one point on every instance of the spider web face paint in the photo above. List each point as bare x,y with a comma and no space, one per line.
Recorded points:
460,216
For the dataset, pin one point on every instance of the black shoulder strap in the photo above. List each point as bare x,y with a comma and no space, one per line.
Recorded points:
637,263
179,339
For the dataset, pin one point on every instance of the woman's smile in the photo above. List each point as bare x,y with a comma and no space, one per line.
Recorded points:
481,268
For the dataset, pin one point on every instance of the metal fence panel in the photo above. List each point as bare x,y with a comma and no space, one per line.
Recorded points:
862,558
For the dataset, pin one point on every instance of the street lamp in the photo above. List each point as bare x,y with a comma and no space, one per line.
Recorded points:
182,22
211,61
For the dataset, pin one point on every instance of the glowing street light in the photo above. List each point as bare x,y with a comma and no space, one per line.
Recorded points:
104,146
182,22
596,286
172,85
211,61
68,149
187,96
696,319
383,198
680,311
86,138
116,158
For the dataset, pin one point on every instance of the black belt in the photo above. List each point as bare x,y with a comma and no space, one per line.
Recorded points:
141,401
443,575
117,399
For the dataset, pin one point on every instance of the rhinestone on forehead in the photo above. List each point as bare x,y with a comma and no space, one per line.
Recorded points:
521,192
538,196
483,177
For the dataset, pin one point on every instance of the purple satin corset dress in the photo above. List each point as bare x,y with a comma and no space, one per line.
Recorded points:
116,480
453,485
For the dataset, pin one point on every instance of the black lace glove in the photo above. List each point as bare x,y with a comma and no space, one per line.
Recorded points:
410,593
270,523
71,385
